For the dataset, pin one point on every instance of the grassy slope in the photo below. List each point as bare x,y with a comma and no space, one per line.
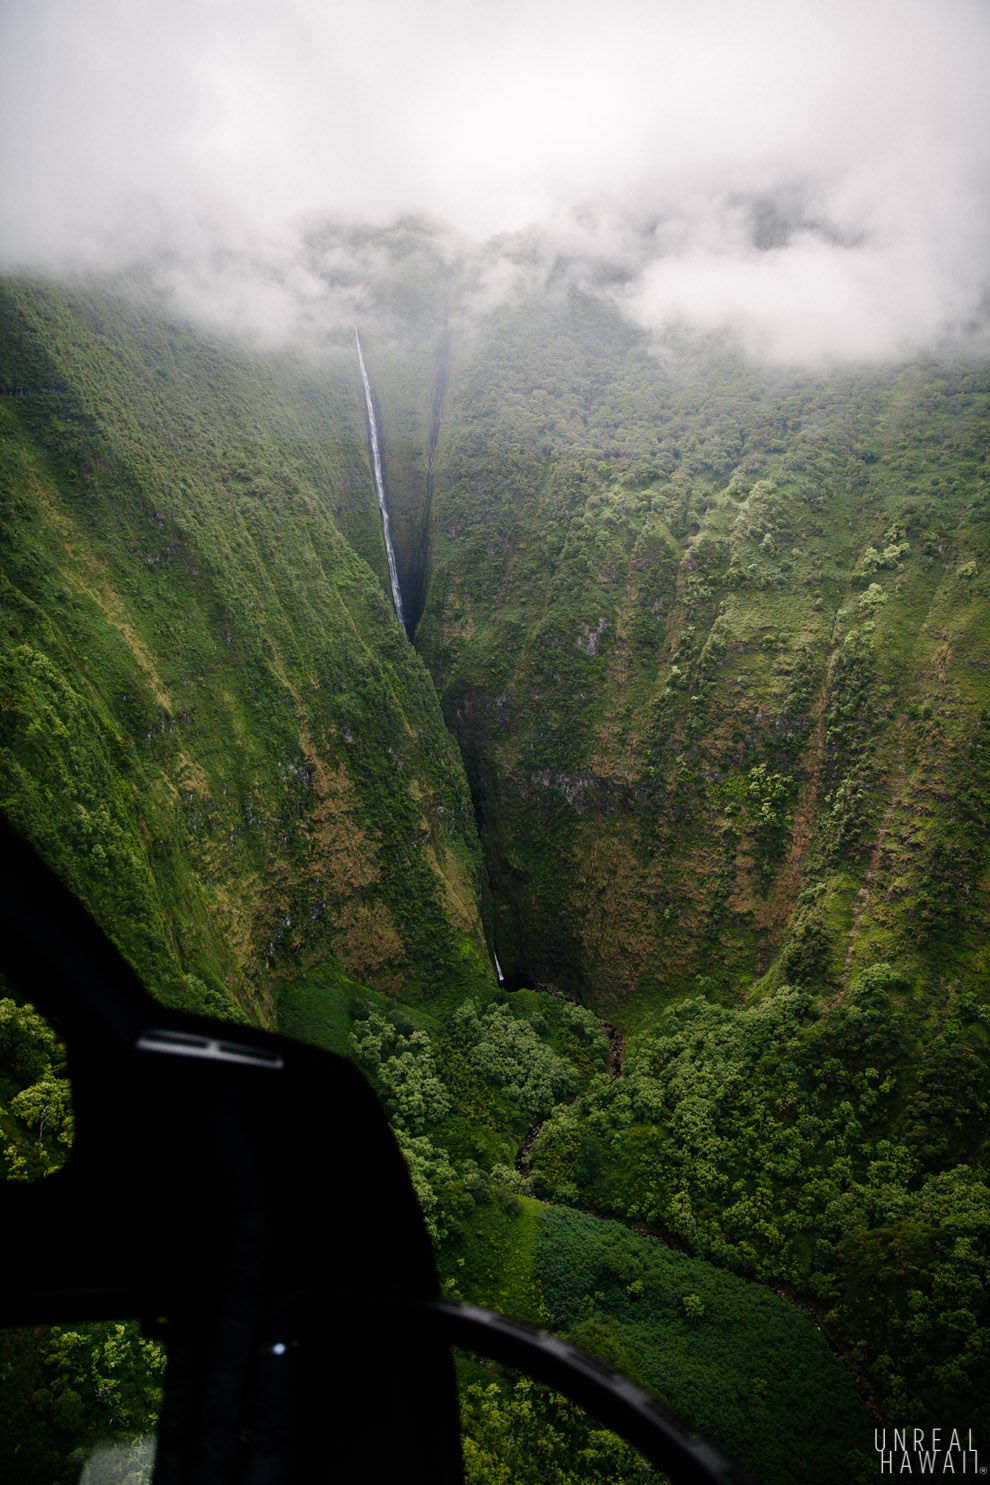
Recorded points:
212,724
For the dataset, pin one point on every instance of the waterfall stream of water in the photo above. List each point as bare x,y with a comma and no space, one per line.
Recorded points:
376,462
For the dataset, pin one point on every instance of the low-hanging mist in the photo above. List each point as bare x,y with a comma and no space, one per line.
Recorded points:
813,181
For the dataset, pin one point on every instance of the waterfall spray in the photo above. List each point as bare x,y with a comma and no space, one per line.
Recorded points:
376,462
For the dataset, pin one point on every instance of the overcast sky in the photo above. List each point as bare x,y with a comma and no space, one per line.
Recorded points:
639,130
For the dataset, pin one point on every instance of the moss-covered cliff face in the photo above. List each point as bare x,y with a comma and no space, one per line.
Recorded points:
213,726
713,641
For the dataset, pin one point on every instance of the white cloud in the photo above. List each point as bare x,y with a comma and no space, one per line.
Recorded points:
645,127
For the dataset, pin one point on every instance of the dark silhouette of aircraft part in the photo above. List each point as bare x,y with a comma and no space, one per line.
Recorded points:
243,1194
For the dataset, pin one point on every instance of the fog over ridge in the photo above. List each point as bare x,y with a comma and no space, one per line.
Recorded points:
815,179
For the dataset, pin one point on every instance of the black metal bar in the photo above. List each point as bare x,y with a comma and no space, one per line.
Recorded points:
667,1440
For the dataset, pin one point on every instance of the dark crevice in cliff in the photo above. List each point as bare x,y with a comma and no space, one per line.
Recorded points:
419,564
517,982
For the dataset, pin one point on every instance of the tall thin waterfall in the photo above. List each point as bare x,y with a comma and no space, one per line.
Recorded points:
376,461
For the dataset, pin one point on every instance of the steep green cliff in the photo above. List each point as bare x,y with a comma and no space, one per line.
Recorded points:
713,642
213,726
